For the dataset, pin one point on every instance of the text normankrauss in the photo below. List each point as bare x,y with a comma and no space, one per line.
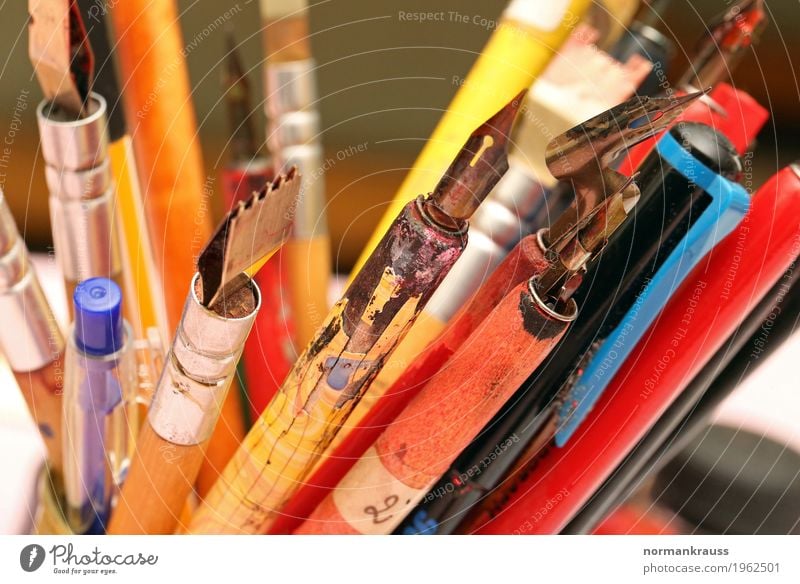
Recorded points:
64,554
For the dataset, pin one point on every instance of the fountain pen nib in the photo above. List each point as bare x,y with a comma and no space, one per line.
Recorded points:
482,161
590,148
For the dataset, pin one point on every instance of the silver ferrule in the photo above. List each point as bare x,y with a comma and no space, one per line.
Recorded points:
76,185
73,144
78,178
29,334
498,223
310,217
83,236
519,191
291,87
198,371
293,129
477,262
293,139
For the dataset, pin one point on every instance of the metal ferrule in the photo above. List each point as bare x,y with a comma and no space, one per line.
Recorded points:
309,220
29,334
74,144
294,139
479,259
519,191
569,315
498,223
292,87
81,191
574,255
82,236
78,184
198,371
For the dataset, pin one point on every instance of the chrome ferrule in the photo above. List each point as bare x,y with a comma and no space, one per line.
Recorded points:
81,190
29,335
198,371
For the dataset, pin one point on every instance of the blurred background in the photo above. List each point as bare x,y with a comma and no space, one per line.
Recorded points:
383,84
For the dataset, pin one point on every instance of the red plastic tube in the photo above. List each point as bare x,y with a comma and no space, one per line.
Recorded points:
705,310
269,351
523,261
734,113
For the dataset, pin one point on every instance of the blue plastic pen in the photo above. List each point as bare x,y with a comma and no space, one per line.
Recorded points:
730,203
100,378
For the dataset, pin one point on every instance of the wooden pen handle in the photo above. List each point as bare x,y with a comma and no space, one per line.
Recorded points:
160,480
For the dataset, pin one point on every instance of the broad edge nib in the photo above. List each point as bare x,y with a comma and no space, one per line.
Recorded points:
236,91
592,146
62,57
479,165
252,231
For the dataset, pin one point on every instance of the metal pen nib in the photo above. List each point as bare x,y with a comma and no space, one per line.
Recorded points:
583,155
251,232
570,254
236,89
61,55
729,36
479,165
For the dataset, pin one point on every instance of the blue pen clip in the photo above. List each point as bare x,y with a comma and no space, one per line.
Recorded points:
730,203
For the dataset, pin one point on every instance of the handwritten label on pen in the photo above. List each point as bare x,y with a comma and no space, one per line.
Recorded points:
371,499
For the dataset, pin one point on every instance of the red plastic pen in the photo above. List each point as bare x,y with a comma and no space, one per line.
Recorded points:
705,310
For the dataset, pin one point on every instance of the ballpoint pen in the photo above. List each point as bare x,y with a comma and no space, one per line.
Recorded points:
528,35
688,414
703,313
457,401
633,256
74,140
269,350
728,207
594,135
293,136
219,313
358,336
100,378
30,338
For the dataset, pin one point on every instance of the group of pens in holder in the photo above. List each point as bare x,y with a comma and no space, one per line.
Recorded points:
484,364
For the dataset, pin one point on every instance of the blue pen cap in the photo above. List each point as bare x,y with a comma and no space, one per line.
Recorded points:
99,326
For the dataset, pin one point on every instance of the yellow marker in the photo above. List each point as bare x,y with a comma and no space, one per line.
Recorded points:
529,34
